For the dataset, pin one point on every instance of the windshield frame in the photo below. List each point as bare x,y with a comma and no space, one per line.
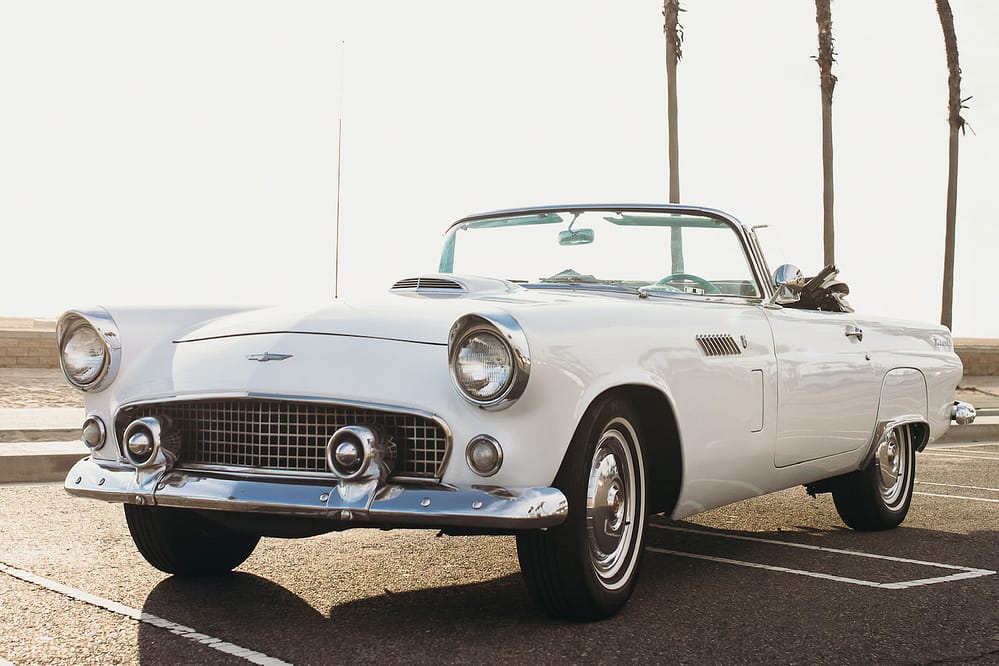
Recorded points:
753,257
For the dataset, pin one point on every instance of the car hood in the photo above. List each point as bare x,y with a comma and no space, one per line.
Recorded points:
412,312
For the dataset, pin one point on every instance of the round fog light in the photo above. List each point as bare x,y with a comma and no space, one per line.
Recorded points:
484,455
140,445
142,440
348,456
94,433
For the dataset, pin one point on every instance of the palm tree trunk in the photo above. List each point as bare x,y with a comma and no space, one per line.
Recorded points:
674,40
823,17
956,123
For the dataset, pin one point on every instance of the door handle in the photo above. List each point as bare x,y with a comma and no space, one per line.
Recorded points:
855,332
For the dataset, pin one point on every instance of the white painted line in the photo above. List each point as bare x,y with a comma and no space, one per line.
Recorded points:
973,499
955,455
180,630
954,485
962,572
4,662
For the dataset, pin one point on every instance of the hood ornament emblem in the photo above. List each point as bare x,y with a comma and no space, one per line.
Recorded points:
263,358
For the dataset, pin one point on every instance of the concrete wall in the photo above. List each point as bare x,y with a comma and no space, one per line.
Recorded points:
28,349
980,357
32,348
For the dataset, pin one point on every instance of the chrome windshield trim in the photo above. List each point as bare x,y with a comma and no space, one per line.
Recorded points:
742,231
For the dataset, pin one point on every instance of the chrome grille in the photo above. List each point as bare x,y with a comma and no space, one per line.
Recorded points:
288,435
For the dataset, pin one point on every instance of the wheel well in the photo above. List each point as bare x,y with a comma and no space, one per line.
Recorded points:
665,459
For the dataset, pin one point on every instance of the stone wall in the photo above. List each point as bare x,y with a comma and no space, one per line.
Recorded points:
28,349
980,357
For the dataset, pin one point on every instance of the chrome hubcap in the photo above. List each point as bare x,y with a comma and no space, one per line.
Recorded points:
892,457
610,505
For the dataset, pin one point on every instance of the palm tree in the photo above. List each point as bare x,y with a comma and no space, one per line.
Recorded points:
825,59
674,42
957,123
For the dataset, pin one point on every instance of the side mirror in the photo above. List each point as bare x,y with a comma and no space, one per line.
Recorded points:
789,281
575,237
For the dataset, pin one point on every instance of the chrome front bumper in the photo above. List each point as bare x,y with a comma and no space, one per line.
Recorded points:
359,504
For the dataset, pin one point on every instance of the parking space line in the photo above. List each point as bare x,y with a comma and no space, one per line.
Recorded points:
954,485
962,572
178,629
940,454
962,497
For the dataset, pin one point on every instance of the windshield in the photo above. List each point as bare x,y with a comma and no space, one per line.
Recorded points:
657,251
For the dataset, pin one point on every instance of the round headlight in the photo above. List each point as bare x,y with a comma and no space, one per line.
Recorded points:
84,354
489,359
483,366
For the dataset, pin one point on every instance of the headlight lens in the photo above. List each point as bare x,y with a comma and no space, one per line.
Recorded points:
84,354
489,359
483,365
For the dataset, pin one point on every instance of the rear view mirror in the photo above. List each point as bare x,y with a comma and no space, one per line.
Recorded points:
789,281
575,237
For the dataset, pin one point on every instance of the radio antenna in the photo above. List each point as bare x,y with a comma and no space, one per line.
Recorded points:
339,142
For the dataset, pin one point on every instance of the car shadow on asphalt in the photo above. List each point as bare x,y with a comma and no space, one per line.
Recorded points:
707,603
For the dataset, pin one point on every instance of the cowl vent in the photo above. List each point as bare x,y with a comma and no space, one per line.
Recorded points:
428,284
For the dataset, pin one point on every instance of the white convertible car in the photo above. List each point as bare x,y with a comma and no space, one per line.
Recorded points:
567,372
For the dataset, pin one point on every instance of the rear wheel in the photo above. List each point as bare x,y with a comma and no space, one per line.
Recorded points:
185,543
587,567
878,496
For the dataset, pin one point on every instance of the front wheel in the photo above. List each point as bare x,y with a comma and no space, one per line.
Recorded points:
586,568
878,496
185,543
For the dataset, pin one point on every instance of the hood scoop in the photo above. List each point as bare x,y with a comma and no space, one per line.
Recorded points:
429,283
444,284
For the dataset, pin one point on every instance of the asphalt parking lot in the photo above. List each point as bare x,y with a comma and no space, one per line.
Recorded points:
775,579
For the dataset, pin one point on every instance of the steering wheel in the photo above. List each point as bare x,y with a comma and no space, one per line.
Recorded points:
709,288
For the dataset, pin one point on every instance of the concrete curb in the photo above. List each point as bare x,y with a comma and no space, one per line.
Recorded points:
976,432
19,435
38,462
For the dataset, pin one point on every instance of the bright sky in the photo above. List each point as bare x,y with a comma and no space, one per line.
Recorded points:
185,152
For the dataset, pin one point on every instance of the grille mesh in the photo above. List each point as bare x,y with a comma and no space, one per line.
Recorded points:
288,436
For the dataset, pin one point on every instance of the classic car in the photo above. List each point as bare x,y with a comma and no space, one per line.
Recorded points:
565,373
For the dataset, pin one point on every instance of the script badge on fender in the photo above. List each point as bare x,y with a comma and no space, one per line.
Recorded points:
263,358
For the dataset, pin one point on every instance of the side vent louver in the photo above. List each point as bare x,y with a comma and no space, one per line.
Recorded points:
718,345
428,283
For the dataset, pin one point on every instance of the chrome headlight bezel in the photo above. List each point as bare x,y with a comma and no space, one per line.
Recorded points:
508,332
103,325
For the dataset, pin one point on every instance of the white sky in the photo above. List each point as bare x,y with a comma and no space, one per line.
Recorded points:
185,152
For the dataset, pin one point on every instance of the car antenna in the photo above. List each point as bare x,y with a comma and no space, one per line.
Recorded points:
339,142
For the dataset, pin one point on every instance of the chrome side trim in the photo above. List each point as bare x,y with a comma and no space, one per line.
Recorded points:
101,321
352,505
